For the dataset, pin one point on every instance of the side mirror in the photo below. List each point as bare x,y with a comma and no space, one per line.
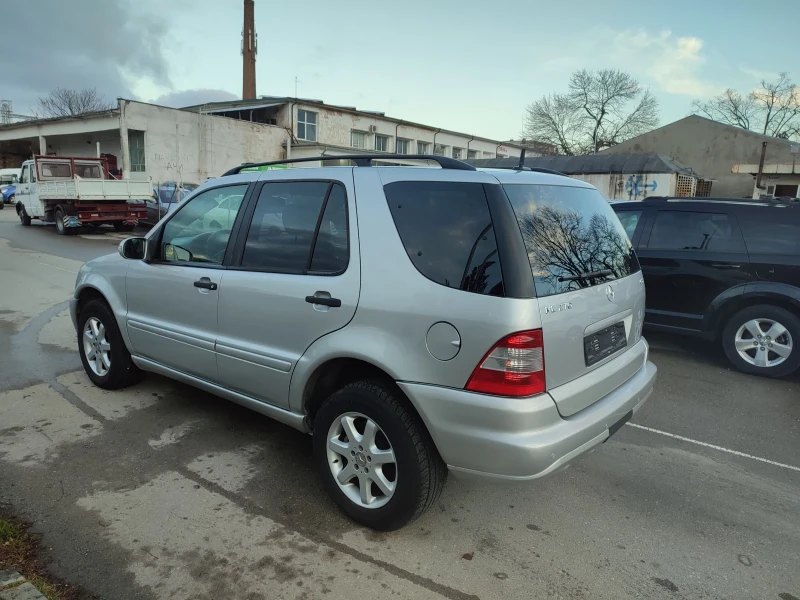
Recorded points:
132,248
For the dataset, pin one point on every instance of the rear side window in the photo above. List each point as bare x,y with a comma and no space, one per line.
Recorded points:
298,227
772,231
686,230
447,231
570,232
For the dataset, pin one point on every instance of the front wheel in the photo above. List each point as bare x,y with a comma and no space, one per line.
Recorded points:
376,458
105,358
763,340
24,219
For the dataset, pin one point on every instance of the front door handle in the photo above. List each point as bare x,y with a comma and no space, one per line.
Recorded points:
205,283
332,302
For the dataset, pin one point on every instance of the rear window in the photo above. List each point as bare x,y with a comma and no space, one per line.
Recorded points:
55,170
447,231
772,230
569,232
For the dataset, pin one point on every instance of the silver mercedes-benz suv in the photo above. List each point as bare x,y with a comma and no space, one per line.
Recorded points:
415,320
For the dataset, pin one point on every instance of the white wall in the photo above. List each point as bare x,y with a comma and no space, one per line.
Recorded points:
187,146
631,187
334,127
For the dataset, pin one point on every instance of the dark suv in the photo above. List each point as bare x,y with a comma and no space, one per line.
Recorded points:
725,270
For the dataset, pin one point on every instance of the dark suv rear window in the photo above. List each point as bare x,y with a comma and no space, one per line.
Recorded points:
771,230
570,231
447,232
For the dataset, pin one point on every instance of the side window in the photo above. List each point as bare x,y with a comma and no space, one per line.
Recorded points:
771,231
199,231
447,232
288,226
712,232
629,220
26,174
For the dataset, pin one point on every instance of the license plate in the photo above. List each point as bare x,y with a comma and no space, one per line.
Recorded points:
603,343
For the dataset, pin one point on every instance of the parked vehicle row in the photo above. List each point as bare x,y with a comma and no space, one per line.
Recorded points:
414,320
723,270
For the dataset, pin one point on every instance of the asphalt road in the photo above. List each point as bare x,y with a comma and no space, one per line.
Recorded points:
161,491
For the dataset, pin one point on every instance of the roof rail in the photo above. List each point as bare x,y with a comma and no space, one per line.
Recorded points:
361,160
765,200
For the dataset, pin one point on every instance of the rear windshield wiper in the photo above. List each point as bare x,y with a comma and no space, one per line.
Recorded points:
588,275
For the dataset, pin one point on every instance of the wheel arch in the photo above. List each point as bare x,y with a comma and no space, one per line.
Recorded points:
86,291
726,305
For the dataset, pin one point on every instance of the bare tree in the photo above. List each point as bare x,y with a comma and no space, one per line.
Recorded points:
62,102
773,109
600,108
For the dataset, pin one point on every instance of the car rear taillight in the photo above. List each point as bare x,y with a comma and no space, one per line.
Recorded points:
513,367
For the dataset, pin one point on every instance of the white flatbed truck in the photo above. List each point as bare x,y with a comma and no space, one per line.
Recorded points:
73,191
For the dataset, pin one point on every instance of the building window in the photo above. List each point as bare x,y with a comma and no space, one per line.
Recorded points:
423,148
488,155
306,125
381,143
136,150
684,187
402,146
458,152
358,139
473,154
440,150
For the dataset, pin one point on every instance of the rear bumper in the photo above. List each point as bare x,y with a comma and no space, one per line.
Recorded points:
520,439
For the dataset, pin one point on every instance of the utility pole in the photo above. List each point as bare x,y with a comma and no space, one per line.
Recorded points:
249,51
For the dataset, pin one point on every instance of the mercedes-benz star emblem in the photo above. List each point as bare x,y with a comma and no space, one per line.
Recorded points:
610,293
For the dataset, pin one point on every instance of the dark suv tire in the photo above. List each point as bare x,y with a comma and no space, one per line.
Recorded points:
763,340
377,460
105,358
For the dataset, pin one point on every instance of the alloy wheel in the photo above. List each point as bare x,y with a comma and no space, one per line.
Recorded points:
763,343
362,460
96,346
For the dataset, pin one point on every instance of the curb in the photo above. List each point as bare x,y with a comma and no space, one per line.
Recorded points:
14,586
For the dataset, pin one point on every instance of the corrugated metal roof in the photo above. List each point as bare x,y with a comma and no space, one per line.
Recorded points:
594,164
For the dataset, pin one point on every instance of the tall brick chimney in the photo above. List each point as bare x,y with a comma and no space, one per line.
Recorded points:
249,51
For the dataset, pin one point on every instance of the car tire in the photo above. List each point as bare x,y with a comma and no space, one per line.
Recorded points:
757,357
416,472
118,371
61,228
24,219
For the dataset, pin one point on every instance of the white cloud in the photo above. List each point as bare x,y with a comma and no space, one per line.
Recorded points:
673,63
759,74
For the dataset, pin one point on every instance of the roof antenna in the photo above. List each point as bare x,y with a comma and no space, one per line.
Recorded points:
521,165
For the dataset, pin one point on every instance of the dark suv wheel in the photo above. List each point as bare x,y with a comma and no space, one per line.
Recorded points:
763,340
375,456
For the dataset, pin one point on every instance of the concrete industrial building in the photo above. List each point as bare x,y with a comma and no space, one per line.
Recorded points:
620,176
778,180
320,129
712,149
191,144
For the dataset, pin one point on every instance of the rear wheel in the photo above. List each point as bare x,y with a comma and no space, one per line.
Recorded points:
23,216
763,340
376,458
105,358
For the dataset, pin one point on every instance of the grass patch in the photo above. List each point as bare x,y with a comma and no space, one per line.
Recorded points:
19,551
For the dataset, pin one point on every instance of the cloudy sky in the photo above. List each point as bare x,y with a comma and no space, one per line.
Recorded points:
466,65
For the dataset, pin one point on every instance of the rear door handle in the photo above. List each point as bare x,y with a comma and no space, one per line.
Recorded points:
205,283
332,302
